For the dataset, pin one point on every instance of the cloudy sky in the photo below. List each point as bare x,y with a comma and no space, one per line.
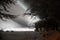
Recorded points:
21,22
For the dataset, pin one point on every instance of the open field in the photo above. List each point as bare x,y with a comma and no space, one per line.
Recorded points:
21,36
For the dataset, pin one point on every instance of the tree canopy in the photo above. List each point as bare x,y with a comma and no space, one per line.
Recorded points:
45,8
47,24
4,4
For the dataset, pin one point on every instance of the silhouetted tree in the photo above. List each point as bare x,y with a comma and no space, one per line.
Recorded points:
4,4
45,9
46,24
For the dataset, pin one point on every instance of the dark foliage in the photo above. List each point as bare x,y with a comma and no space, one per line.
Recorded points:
45,8
4,4
47,24
7,16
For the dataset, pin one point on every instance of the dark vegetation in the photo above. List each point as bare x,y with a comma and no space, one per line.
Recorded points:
4,4
45,9
47,24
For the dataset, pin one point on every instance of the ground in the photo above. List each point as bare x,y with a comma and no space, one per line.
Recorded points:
21,36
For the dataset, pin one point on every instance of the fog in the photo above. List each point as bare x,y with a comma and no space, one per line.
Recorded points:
21,22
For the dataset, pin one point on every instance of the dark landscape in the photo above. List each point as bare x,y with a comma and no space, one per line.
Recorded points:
21,36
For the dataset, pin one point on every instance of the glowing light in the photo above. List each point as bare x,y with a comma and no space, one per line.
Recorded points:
33,19
21,5
10,25
20,29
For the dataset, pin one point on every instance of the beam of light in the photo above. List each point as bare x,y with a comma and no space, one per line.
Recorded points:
21,4
10,25
20,29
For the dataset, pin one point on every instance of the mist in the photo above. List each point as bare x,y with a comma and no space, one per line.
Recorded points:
21,21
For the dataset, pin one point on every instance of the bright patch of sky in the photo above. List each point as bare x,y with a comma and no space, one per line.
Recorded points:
13,26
